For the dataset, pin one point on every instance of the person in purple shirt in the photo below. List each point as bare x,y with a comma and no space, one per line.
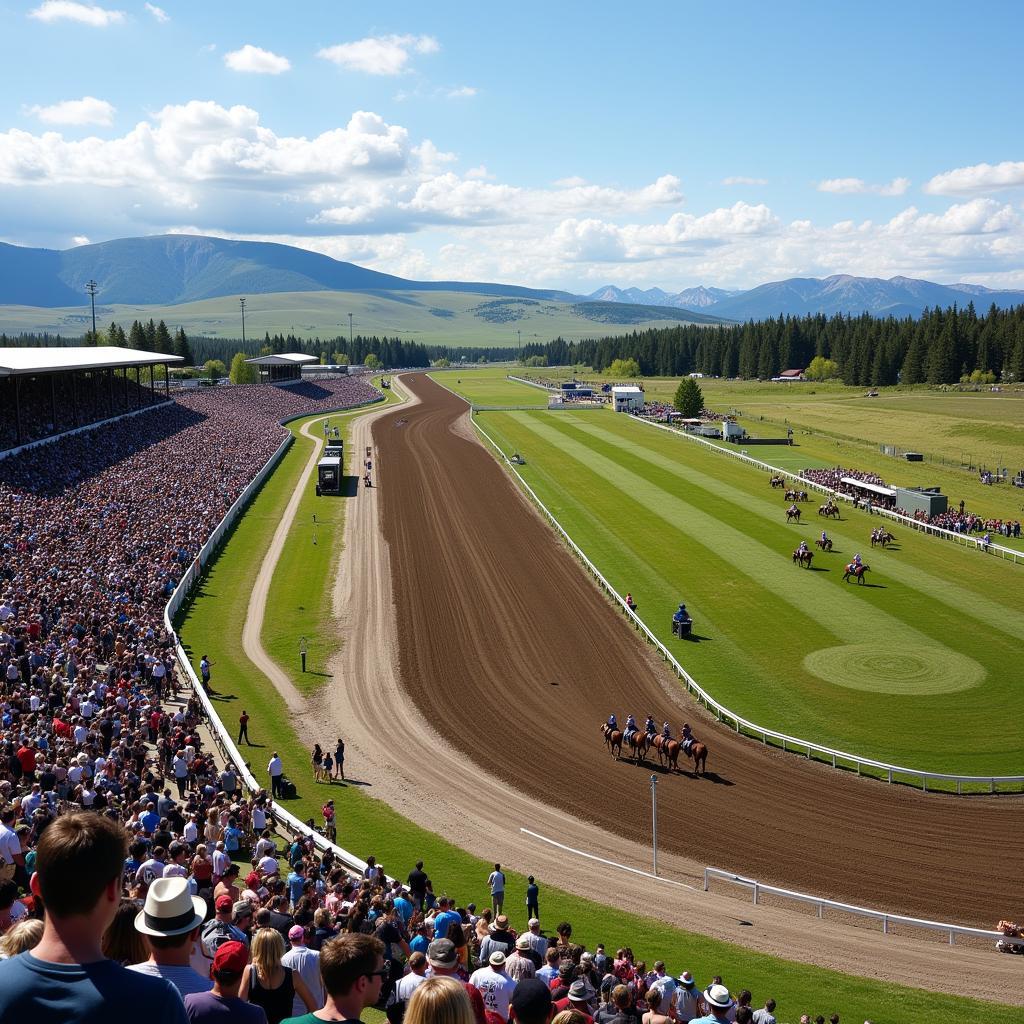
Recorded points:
221,1004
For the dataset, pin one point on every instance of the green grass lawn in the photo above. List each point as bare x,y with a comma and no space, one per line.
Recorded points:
213,624
491,386
928,650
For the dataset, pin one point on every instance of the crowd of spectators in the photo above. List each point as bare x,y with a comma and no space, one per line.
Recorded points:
666,413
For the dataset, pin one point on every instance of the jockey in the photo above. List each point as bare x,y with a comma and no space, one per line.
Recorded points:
650,726
613,722
857,559
630,603
686,737
824,537
630,727
803,546
666,731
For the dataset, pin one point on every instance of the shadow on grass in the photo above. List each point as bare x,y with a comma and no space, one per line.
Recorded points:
696,638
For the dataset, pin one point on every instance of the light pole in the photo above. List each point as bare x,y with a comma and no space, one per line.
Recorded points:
654,819
350,335
92,287
519,346
241,303
302,651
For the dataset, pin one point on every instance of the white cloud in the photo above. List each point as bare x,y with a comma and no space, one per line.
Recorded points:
81,240
463,92
256,61
742,179
379,55
87,110
858,186
978,178
66,10
158,13
573,181
976,217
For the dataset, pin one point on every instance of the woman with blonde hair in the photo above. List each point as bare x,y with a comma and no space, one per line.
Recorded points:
439,1001
21,937
268,983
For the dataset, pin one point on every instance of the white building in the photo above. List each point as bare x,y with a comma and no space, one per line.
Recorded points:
627,398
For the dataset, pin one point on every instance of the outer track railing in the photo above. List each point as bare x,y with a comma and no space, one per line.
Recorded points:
793,744
183,591
759,889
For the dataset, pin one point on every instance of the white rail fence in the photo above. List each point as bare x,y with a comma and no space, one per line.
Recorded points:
792,744
759,889
183,591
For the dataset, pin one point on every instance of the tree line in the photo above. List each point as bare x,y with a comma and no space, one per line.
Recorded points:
942,346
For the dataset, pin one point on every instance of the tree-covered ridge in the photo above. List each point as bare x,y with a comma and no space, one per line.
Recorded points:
940,347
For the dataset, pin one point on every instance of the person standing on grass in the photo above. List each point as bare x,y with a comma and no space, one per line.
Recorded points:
532,898
66,977
204,673
243,727
496,880
275,769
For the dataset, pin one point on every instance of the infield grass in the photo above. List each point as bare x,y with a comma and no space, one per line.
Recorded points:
213,624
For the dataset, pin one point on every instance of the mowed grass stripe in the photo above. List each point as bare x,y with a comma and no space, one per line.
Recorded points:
988,613
774,634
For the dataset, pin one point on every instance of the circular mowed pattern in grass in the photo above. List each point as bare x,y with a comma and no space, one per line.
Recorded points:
879,668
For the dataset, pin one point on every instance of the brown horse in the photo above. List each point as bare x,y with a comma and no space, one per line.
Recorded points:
792,513
829,510
668,751
778,481
803,557
639,743
612,739
856,571
698,752
825,545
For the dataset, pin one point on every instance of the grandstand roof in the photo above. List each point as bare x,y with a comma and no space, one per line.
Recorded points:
888,492
20,362
284,359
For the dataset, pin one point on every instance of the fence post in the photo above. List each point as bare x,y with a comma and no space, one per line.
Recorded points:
756,892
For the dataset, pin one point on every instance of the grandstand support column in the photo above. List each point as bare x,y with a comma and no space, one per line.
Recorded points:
74,396
17,406
138,387
152,387
124,377
53,401
167,382
110,390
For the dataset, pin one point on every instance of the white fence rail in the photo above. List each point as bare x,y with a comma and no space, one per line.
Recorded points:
182,592
792,744
759,889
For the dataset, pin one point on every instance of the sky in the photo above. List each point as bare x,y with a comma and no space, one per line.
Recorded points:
560,144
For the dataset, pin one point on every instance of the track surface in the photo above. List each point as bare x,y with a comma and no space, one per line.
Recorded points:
516,658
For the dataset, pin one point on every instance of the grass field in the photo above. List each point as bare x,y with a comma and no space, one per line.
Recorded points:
437,318
213,624
800,652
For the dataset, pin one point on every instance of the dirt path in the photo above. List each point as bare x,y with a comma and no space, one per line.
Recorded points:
517,707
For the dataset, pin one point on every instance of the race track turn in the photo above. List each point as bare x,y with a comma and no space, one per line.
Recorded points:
516,657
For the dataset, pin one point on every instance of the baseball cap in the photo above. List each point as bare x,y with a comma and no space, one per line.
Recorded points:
223,903
496,959
296,931
241,908
231,957
441,953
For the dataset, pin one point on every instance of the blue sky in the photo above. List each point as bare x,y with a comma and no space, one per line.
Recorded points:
560,144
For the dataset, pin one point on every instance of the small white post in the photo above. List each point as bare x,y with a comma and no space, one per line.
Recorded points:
654,819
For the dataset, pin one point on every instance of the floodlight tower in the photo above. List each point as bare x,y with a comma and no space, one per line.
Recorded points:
241,303
92,287
350,335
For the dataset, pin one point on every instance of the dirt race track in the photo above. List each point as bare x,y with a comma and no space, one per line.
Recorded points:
507,647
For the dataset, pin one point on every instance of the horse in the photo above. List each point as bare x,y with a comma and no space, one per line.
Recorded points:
639,743
829,510
668,751
792,513
698,752
856,571
804,557
778,481
612,739
825,545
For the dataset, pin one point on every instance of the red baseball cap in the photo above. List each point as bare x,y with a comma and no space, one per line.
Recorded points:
231,956
224,903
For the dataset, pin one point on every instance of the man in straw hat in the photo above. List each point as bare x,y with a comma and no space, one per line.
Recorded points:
79,864
718,1002
170,922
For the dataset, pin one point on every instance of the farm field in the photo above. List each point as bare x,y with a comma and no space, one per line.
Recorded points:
797,651
437,318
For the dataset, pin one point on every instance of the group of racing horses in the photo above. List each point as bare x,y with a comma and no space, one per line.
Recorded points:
640,741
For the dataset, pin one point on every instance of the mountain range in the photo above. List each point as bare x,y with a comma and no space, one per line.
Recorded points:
841,293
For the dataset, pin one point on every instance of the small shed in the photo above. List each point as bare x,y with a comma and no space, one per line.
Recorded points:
627,398
928,500
286,366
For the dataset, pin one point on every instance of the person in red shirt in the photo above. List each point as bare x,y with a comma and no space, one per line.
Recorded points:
578,999
27,756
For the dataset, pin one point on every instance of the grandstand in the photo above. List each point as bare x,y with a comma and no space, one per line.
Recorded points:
49,391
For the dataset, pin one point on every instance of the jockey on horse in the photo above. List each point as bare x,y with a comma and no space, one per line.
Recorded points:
613,722
857,559
650,728
666,732
803,547
631,728
824,538
687,738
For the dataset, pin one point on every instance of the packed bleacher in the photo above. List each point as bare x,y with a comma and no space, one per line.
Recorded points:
665,412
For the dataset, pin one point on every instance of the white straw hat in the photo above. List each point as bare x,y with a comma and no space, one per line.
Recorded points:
170,909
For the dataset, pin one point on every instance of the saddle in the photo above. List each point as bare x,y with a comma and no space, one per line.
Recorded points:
688,746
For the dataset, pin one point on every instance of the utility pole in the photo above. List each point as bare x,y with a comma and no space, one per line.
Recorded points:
519,346
654,819
241,303
350,336
92,287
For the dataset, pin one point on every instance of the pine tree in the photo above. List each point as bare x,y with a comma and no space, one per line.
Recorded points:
137,336
181,346
689,399
162,339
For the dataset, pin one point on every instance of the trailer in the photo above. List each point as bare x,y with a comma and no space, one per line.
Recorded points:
328,475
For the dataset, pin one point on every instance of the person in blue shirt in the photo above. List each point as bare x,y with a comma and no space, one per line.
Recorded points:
232,838
445,918
80,859
296,882
150,819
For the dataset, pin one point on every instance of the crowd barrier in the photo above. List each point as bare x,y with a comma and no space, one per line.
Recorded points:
183,591
792,744
759,889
